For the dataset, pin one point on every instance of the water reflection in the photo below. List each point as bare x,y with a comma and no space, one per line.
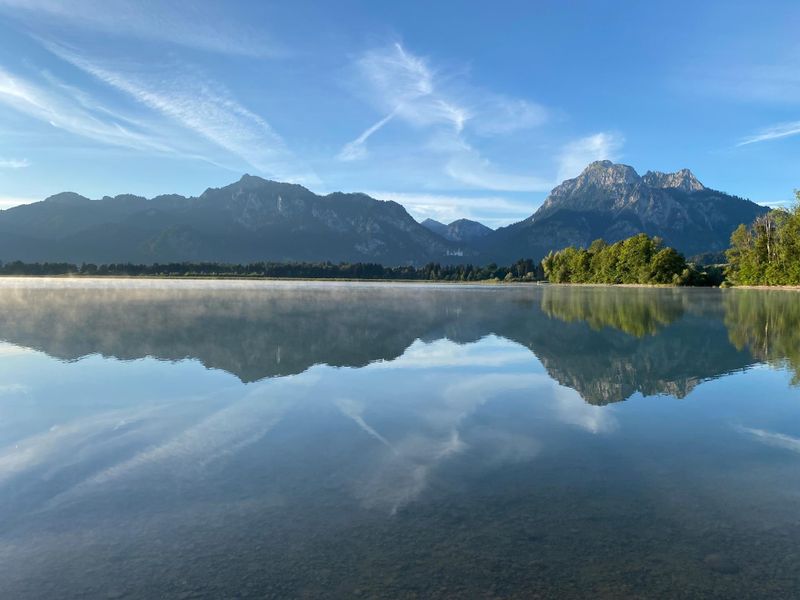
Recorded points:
606,344
396,441
767,324
636,311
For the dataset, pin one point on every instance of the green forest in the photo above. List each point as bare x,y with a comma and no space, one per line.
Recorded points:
768,251
639,260
522,270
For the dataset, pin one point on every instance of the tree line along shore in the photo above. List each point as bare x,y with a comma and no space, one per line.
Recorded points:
764,253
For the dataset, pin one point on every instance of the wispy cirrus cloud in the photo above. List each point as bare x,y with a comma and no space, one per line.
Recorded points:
208,110
62,112
183,108
492,211
772,438
767,84
407,87
501,115
404,86
195,25
202,107
14,163
455,118
357,149
774,132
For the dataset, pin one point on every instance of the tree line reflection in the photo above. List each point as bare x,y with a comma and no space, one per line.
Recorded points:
605,343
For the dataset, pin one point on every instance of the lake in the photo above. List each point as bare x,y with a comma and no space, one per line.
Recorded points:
205,439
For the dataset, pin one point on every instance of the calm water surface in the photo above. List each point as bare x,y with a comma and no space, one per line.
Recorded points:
251,440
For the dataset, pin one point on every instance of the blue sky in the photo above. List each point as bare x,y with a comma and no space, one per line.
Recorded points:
455,109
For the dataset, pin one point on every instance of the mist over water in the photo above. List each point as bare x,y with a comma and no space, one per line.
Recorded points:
262,439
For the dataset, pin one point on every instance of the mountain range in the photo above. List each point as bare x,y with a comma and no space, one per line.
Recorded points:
256,219
462,230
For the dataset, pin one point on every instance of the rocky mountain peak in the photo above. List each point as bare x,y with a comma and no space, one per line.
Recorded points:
683,180
68,198
435,226
600,183
252,184
604,173
461,230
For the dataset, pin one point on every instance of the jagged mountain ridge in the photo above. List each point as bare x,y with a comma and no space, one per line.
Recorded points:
256,219
461,230
611,201
250,220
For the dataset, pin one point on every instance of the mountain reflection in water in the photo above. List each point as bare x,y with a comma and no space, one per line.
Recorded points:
202,439
605,343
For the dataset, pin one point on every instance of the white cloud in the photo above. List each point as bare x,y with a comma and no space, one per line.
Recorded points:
59,443
776,203
470,168
576,155
61,111
14,163
403,85
206,109
448,208
475,171
771,438
356,149
354,409
407,88
402,474
7,349
499,115
12,201
195,25
492,351
573,410
774,132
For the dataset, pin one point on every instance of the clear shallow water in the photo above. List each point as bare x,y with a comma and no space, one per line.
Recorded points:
202,439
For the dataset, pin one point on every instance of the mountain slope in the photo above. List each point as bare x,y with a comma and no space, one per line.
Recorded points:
462,230
253,219
611,201
435,226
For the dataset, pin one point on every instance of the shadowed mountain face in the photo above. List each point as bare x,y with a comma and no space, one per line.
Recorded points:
462,230
250,220
605,343
259,220
612,202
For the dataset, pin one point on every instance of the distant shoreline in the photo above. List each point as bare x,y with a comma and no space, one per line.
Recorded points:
487,282
255,278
